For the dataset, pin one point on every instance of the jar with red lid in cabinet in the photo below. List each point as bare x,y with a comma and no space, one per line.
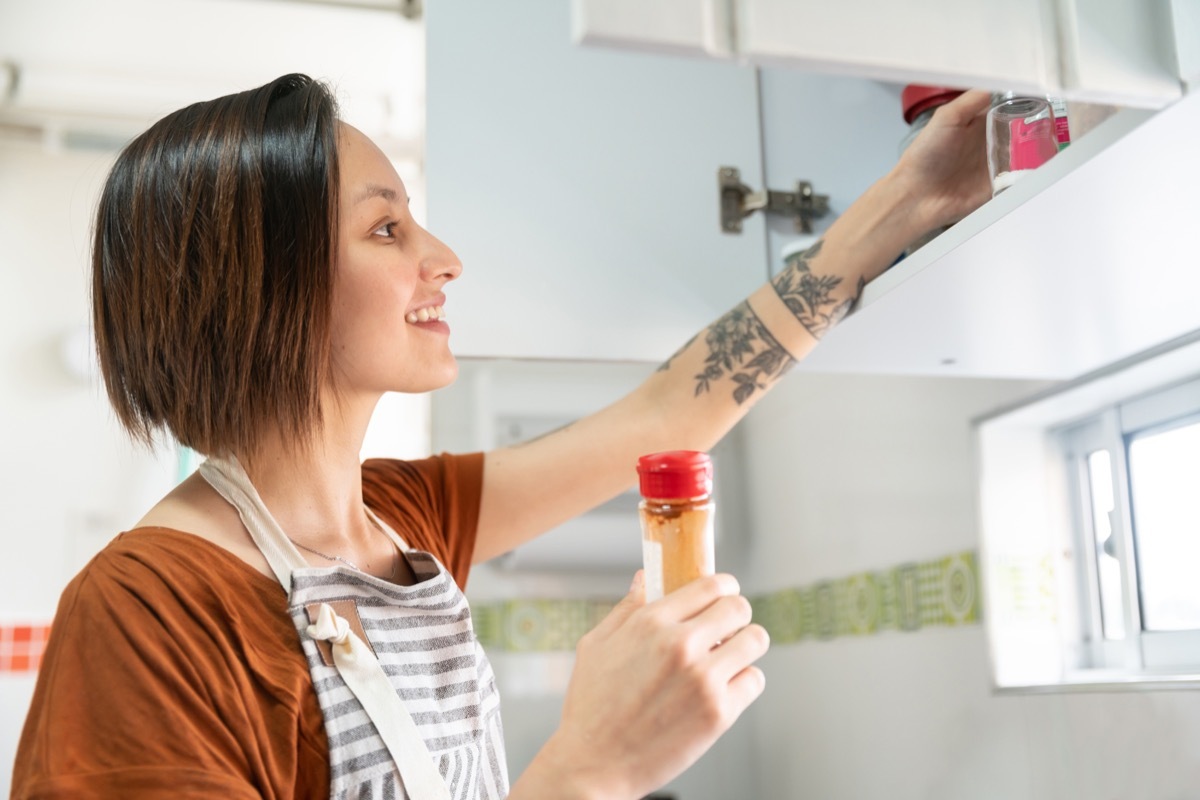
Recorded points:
918,103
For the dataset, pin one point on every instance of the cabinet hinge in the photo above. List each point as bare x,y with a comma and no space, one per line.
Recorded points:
739,201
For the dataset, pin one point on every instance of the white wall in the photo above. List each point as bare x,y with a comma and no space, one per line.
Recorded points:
104,71
71,480
848,474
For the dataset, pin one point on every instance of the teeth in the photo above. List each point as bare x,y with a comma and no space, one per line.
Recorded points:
426,314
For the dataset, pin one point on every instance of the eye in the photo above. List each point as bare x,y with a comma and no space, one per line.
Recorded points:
386,230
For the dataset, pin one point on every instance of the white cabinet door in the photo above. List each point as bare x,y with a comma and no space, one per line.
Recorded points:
1105,51
840,133
1109,51
683,27
1005,43
579,187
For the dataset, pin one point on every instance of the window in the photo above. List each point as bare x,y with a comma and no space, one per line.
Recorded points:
1134,475
1090,519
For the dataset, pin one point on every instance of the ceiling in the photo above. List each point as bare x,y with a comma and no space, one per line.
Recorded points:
84,71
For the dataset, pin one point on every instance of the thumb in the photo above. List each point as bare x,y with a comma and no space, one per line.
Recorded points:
627,606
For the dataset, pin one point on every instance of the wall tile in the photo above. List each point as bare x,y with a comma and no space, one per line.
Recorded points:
22,646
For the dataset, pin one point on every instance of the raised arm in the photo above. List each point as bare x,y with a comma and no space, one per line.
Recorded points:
701,391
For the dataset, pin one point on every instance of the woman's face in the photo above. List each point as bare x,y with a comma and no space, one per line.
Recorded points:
389,332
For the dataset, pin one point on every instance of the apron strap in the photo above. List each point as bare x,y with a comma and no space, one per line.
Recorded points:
232,483
354,660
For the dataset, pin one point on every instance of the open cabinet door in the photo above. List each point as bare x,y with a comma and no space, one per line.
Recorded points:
579,186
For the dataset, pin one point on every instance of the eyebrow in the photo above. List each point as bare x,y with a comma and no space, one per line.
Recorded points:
375,190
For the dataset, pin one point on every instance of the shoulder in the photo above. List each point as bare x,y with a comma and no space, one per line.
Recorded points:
161,613
195,508
170,581
433,503
166,634
438,486
441,473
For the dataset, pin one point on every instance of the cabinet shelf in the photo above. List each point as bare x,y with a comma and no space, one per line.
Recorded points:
1088,260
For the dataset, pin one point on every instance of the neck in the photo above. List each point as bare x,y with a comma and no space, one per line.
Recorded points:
315,491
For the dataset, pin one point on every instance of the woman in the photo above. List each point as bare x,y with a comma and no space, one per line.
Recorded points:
258,285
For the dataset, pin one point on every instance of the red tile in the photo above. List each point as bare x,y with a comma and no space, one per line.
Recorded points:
22,633
21,662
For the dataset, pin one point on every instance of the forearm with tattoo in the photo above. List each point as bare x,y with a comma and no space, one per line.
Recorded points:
815,300
740,350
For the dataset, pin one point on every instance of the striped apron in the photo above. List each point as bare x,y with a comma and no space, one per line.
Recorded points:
428,728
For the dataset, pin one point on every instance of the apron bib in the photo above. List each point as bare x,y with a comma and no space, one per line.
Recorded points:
408,696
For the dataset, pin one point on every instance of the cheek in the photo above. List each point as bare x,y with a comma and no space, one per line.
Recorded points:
368,308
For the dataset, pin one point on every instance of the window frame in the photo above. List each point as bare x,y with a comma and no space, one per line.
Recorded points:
1034,455
1114,429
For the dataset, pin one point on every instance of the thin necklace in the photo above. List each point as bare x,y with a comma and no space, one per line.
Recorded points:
347,561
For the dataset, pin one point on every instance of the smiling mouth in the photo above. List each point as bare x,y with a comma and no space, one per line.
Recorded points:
427,314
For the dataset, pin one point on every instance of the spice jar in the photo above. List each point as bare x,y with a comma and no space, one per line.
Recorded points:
918,104
676,513
1021,136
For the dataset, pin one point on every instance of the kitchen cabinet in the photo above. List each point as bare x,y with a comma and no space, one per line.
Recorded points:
1105,51
579,186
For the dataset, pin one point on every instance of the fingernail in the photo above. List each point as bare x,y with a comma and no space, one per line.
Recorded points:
639,579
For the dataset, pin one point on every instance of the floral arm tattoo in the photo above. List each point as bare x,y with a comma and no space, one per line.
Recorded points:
810,297
741,349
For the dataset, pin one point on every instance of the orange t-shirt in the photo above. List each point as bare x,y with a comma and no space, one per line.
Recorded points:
174,670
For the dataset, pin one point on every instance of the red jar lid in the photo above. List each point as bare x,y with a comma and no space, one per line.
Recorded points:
915,99
675,474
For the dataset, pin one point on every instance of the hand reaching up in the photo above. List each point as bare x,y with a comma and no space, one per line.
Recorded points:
946,164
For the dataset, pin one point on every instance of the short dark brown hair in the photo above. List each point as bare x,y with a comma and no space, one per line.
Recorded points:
212,268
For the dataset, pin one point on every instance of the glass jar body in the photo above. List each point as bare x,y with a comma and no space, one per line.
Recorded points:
677,542
1021,136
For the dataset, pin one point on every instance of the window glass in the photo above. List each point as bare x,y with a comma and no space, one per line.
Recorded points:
1108,567
1164,476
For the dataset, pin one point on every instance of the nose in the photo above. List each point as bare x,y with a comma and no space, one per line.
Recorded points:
440,262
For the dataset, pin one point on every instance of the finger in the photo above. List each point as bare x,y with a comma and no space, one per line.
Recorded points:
689,600
720,621
745,687
966,107
623,610
740,650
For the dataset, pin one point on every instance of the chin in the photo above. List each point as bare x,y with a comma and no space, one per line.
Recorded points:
436,377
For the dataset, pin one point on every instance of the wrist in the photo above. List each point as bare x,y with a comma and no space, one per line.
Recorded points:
557,771
903,207
877,227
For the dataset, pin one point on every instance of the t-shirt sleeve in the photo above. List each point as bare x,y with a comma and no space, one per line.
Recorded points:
140,695
433,503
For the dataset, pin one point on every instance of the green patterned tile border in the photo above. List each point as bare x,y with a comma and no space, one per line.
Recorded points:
908,597
536,625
